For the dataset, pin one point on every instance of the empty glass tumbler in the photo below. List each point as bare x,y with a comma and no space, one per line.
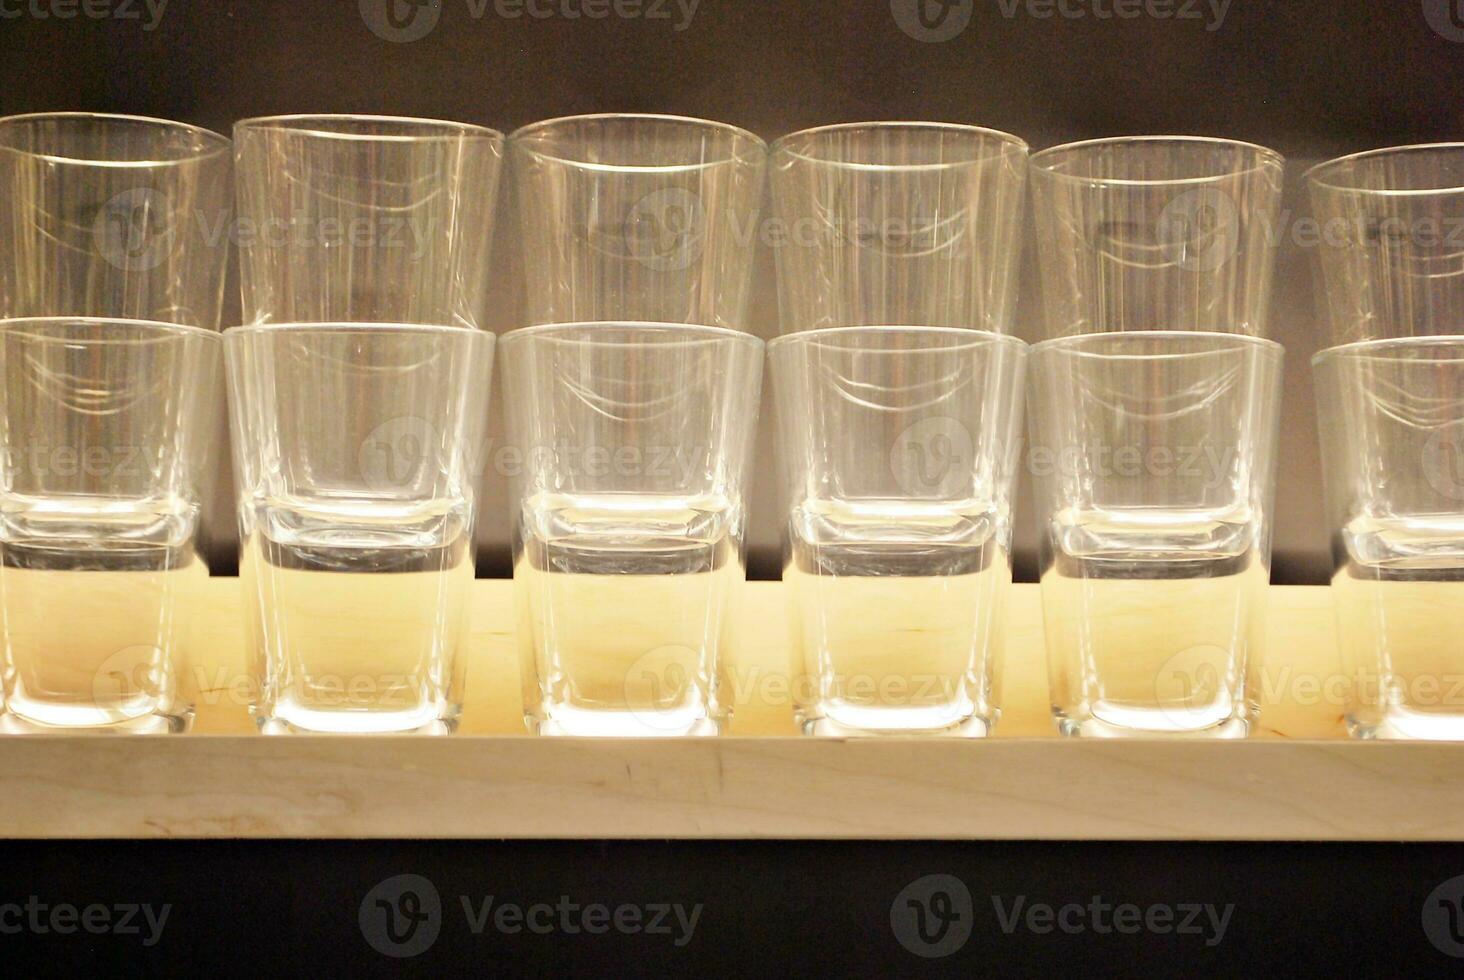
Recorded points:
637,218
903,224
365,219
113,216
355,451
1392,419
1156,233
629,517
899,448
1391,237
106,429
1154,461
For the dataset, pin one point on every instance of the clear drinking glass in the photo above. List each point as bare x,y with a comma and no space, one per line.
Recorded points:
369,219
629,520
1392,242
113,216
896,223
1392,420
355,454
1154,460
637,218
1156,233
899,446
106,429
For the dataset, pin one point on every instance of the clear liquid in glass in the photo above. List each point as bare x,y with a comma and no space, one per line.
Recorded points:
896,616
98,598
358,615
1154,620
1400,611
624,597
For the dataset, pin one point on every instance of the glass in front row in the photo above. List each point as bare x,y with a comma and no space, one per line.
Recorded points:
629,516
1392,420
1154,460
899,448
355,456
106,426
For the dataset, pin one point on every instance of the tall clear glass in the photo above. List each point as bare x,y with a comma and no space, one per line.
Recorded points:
1154,461
355,449
1156,233
637,218
113,216
1392,233
899,448
106,427
898,223
1392,421
365,219
629,516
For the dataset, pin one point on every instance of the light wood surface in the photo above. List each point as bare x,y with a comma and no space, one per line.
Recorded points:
1300,778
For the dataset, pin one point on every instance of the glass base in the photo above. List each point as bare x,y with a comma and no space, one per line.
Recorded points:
577,722
854,721
1149,723
1400,723
74,721
293,719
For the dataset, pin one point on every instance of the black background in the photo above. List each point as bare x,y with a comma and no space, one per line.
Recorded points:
770,909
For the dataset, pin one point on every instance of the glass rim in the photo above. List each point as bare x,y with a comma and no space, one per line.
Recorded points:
976,338
215,143
580,333
427,129
757,153
353,326
18,324
1367,349
1314,174
998,138
1264,155
1236,341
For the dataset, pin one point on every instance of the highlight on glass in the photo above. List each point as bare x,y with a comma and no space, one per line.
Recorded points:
1170,233
1391,223
627,217
374,219
1392,422
1154,462
356,454
899,448
107,428
629,515
113,216
897,224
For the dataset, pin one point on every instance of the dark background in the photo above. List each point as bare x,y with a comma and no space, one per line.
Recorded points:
1311,78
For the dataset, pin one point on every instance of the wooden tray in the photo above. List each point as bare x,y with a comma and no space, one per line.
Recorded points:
1300,778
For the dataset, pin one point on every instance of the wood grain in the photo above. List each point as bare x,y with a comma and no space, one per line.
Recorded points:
1300,778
